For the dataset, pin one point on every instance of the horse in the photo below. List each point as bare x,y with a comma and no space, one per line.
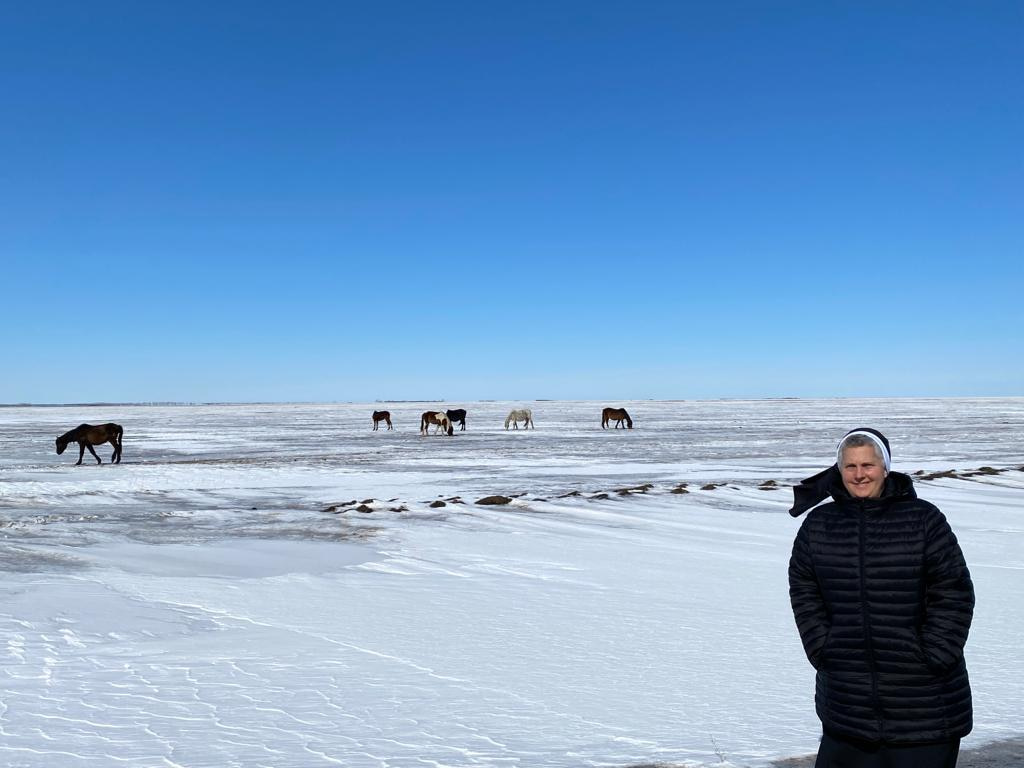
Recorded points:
86,435
438,418
458,416
520,414
379,416
618,415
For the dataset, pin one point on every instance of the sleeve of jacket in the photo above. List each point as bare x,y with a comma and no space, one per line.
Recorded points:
949,597
808,604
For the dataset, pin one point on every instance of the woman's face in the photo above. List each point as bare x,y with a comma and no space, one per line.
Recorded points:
863,472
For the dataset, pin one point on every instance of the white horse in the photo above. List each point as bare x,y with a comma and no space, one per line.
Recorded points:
520,414
440,419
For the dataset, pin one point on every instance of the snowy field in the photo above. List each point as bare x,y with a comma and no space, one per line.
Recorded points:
218,599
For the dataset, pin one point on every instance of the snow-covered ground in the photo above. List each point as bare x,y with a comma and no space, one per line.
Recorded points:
197,606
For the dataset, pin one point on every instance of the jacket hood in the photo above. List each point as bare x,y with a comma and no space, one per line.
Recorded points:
815,489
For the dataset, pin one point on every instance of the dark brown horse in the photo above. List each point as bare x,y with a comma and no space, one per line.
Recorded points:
458,416
439,418
379,416
618,415
86,435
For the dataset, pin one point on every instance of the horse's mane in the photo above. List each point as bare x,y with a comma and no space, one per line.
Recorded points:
70,435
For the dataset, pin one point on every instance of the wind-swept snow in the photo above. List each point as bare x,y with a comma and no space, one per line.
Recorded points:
197,606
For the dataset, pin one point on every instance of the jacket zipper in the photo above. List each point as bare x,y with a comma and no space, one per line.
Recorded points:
868,643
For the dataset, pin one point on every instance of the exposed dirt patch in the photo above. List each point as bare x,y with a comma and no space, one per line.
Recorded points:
936,475
634,489
336,508
982,471
494,500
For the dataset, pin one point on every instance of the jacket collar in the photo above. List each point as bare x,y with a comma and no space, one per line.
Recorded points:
815,489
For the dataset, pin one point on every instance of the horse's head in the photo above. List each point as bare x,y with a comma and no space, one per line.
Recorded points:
451,429
62,444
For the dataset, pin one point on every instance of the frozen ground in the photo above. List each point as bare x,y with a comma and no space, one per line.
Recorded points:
197,606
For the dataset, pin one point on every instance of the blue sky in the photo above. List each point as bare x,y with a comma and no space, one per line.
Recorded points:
342,201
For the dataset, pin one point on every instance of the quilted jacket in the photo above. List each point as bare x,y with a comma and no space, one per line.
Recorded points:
883,602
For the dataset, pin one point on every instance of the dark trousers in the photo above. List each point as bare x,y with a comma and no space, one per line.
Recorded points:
835,753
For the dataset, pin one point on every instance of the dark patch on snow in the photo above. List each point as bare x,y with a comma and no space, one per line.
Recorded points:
494,500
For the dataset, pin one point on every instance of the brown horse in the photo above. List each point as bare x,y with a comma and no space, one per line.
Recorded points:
618,415
438,418
379,416
458,416
86,435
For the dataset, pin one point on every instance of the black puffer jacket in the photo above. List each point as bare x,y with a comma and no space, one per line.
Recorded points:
883,601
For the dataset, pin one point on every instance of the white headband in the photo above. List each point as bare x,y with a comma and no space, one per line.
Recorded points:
882,450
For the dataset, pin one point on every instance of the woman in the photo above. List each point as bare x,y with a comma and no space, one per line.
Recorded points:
883,602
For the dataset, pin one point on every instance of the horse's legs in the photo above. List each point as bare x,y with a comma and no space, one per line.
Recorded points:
463,427
93,452
81,453
117,449
389,424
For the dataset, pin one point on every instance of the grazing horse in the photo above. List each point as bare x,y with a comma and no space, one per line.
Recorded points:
86,435
438,418
521,414
458,416
379,416
618,415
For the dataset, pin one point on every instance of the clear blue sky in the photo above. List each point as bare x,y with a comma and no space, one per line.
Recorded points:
357,201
